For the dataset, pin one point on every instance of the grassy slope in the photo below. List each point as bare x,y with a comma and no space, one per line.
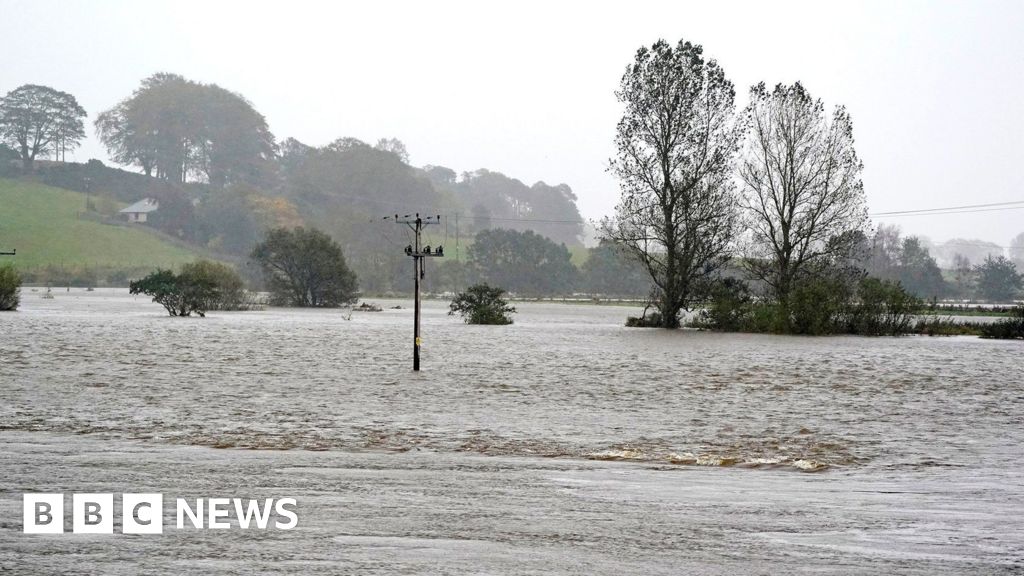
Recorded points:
42,224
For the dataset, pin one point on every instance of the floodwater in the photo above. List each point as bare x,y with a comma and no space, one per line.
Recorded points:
562,444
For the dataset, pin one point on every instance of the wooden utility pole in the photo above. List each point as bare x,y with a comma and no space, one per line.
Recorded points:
11,253
418,253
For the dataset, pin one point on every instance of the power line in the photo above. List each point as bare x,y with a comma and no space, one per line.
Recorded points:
993,207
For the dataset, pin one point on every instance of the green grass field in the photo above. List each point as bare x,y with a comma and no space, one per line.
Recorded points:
42,223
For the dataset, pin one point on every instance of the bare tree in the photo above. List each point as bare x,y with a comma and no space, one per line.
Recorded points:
676,143
803,196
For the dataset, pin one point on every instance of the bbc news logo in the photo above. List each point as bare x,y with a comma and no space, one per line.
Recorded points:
144,513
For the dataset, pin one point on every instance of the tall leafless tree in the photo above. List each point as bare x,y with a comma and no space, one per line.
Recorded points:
676,143
803,196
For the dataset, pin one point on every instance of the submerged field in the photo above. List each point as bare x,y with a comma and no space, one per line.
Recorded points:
564,440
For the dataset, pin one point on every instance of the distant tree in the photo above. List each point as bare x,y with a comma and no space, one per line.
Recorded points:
394,146
974,249
175,128
675,147
918,272
998,280
610,271
35,120
305,267
482,304
440,175
524,262
481,216
1017,251
803,192
497,199
884,255
10,288
963,275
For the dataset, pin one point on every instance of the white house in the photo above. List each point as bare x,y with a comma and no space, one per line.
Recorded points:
139,211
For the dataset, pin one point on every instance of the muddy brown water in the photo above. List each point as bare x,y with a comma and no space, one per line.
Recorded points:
564,443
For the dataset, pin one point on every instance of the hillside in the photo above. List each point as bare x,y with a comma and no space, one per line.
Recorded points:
42,223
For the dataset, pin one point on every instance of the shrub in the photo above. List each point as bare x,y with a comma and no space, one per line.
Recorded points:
482,304
945,326
815,306
229,290
201,286
10,288
883,308
1011,328
651,320
730,306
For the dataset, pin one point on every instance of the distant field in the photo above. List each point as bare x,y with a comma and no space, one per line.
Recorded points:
42,224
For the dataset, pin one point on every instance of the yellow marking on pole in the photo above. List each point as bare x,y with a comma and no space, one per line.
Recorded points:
418,341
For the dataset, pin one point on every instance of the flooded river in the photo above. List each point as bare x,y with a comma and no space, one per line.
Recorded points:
564,443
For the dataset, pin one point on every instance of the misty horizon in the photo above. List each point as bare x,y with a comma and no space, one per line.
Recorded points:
929,86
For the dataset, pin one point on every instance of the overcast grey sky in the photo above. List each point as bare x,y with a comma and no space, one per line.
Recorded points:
526,88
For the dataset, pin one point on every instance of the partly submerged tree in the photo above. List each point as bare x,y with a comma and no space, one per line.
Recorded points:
305,267
803,194
199,287
10,288
676,143
35,120
482,304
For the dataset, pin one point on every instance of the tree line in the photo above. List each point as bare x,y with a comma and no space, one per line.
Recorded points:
773,190
222,179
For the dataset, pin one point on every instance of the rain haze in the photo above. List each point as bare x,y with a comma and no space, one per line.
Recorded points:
568,288
527,88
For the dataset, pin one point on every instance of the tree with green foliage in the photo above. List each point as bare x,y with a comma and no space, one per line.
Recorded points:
394,146
175,129
495,199
918,272
199,287
37,120
675,147
998,280
304,267
882,308
803,193
10,288
482,304
612,271
905,260
524,262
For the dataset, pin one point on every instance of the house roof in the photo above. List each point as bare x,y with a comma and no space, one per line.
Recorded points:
142,206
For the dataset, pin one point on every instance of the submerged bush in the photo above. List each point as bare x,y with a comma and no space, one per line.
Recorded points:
10,288
730,307
1011,328
883,308
815,307
482,304
199,287
646,320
